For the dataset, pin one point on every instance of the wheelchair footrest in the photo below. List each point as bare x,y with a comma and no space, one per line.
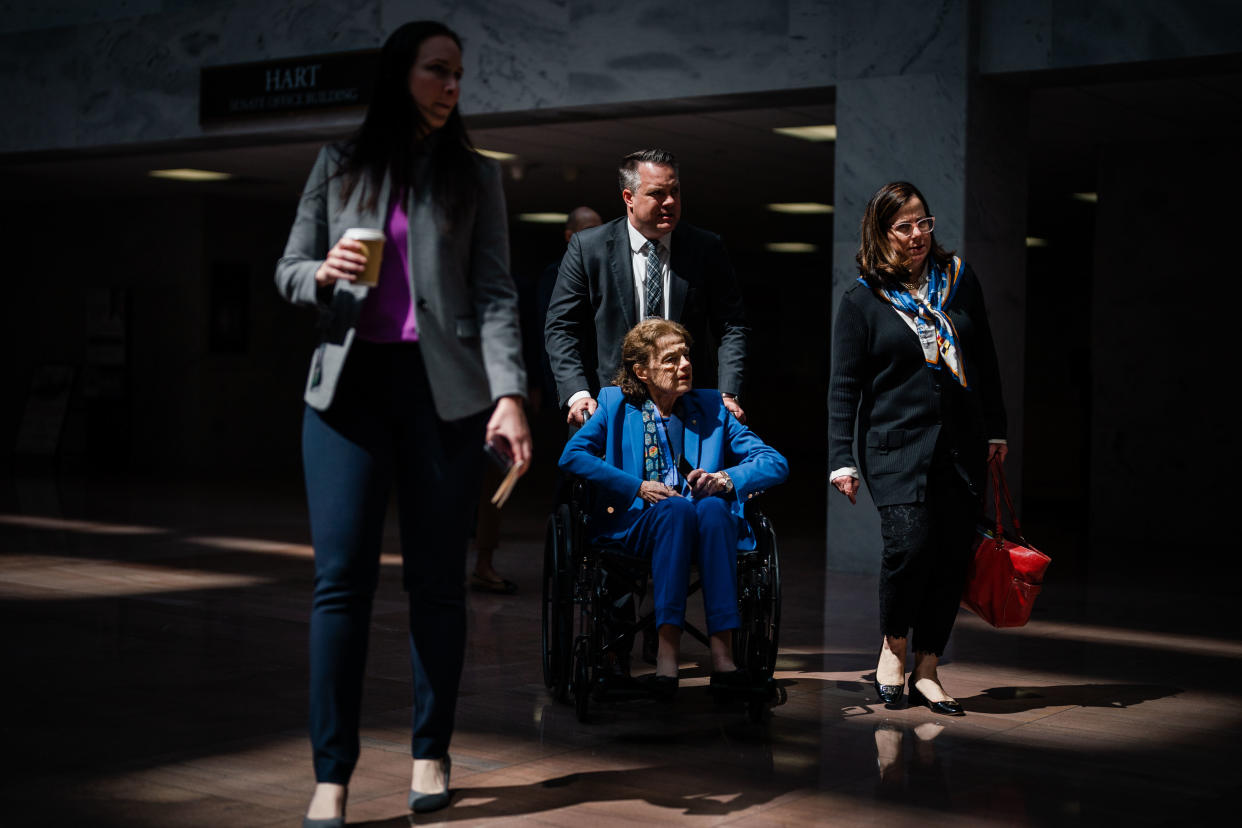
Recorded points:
753,690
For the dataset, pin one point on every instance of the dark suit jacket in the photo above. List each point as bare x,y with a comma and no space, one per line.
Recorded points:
903,406
592,308
608,451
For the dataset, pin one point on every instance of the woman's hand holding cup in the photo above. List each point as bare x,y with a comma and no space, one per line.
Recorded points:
350,259
346,261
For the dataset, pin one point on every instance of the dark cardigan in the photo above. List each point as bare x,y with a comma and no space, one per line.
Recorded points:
904,406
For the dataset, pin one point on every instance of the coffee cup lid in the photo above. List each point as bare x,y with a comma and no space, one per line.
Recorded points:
364,234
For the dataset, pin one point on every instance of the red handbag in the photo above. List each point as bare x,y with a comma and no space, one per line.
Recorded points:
1005,576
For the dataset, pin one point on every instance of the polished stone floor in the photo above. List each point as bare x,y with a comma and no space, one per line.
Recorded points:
154,673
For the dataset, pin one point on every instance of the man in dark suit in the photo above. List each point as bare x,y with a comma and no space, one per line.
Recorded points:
644,264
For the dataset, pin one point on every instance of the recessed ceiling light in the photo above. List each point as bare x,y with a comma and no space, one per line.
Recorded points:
543,218
790,247
818,132
496,154
1090,198
800,208
188,174
1033,241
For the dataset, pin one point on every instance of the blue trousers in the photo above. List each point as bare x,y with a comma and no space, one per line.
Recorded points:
677,532
382,429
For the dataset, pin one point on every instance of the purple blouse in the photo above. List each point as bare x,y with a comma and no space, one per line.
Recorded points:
388,311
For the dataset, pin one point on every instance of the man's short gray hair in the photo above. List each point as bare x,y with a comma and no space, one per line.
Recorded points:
627,173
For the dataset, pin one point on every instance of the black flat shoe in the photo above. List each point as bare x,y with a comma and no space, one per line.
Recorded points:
948,708
734,684
891,694
661,687
737,679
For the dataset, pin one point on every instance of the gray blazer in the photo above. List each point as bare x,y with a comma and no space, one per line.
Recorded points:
465,302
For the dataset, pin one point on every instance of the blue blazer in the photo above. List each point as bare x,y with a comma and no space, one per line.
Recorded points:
608,452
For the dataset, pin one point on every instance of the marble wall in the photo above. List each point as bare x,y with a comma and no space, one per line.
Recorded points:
1035,35
78,74
901,115
98,75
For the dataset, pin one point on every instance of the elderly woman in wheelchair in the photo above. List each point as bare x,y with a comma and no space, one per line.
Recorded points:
671,470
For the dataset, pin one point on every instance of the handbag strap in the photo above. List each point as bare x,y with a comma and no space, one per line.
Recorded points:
999,486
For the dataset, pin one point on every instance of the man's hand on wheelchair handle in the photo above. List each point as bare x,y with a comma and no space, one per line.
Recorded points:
653,491
576,416
733,406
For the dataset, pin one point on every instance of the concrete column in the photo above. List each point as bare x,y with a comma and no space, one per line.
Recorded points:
918,116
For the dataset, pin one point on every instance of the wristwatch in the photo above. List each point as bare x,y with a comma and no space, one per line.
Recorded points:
728,482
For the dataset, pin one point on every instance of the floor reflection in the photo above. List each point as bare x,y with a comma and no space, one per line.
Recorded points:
154,653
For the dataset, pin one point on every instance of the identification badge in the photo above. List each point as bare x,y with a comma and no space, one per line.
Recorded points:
927,338
317,369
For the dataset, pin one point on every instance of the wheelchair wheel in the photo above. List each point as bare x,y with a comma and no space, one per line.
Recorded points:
558,604
582,678
756,642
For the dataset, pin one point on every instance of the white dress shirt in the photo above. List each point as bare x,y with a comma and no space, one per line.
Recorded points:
638,265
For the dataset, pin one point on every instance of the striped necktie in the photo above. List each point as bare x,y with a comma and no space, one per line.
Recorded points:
654,286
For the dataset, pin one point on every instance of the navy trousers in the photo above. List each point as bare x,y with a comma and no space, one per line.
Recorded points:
381,430
677,532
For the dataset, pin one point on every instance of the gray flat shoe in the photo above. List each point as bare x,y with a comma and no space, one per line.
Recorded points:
326,822
423,803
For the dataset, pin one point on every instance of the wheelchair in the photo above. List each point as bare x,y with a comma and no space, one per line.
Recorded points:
582,582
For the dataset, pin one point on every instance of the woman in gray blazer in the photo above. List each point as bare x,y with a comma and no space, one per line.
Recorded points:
400,390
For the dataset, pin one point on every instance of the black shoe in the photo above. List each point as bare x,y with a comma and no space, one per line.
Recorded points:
735,684
614,679
891,694
730,680
661,687
948,708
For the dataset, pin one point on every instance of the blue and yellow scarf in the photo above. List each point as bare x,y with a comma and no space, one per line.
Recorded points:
941,288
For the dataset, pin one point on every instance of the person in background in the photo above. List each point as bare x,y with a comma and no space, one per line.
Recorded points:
410,379
484,577
914,363
580,218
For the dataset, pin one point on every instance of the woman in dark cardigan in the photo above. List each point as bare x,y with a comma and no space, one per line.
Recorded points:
913,359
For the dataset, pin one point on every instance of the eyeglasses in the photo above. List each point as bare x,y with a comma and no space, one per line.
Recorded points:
905,229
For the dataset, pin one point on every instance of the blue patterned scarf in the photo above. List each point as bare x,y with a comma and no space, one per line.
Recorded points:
657,453
941,288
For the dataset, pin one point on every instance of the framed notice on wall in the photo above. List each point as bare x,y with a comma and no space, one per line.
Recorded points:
343,79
